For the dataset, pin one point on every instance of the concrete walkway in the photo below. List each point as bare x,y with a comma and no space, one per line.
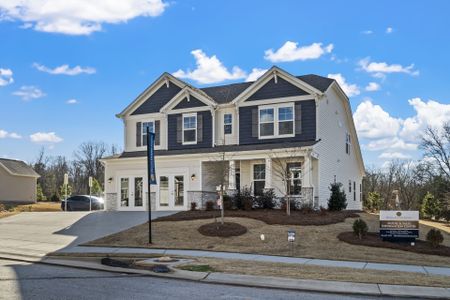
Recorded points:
265,258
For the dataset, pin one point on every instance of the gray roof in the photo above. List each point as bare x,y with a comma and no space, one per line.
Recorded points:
18,167
226,148
227,93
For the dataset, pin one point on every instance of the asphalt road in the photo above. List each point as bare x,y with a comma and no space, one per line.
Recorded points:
19,280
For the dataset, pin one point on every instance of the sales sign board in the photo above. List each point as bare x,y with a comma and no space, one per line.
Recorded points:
399,224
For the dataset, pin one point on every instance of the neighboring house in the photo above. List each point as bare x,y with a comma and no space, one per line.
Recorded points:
305,121
17,181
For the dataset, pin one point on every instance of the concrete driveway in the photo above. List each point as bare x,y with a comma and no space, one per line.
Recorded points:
39,233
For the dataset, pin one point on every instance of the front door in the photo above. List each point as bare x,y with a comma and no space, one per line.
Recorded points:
171,192
131,193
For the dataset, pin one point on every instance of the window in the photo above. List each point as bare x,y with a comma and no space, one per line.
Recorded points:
295,178
189,129
349,186
259,179
348,143
354,191
228,123
276,121
151,127
360,192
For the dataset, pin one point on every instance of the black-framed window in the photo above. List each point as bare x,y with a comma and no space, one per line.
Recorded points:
348,143
295,178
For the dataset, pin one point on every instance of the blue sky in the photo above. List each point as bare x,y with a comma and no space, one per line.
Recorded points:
391,58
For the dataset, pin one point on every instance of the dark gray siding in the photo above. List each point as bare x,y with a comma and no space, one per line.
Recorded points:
308,132
207,132
276,90
193,102
158,99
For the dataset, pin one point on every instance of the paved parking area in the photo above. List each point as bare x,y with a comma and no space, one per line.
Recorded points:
38,233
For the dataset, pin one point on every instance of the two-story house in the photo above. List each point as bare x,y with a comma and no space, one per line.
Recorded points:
294,134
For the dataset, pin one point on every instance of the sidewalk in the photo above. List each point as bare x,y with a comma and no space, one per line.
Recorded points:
320,286
265,258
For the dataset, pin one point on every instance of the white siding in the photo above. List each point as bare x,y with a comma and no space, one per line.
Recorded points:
332,125
220,137
130,131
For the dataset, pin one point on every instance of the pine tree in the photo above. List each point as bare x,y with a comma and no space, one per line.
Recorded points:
338,199
430,206
40,194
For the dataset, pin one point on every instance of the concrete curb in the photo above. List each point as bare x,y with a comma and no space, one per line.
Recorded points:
320,286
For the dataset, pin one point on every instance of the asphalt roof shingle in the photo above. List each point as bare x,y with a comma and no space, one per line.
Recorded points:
18,167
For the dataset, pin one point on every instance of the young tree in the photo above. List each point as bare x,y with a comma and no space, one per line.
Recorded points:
96,188
338,199
374,201
39,194
430,206
436,144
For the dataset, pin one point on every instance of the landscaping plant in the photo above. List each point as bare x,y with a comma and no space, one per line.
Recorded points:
292,204
209,205
373,201
266,200
430,206
338,199
247,198
193,205
435,237
360,228
227,202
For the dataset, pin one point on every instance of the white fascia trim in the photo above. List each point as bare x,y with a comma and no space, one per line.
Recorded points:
15,174
275,71
155,116
164,79
186,92
276,100
188,110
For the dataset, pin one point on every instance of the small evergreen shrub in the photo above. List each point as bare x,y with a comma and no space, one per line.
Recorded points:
435,237
292,204
247,198
338,199
430,206
323,210
266,200
360,228
209,205
306,208
237,200
227,202
193,205
373,201
55,198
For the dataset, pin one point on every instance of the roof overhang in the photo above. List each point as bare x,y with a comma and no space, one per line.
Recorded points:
186,92
17,174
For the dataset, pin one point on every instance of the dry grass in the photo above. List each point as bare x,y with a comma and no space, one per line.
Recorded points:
9,210
312,241
443,226
320,273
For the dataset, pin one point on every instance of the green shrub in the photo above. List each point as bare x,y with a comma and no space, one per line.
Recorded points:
39,194
237,200
292,204
2,207
360,228
445,214
306,208
246,198
430,206
266,200
338,199
193,205
227,202
373,201
435,237
209,205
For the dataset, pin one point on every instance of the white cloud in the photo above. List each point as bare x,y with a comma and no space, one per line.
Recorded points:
6,77
291,52
367,32
255,74
430,113
393,143
29,92
64,70
372,121
379,69
210,70
77,17
372,87
389,30
45,137
12,135
349,89
72,101
394,155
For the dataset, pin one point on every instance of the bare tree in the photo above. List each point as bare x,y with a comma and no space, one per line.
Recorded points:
436,144
87,163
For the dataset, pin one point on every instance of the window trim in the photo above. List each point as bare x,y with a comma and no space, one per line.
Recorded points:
144,132
195,129
227,124
276,121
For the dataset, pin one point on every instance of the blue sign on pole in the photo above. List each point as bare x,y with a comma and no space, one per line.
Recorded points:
151,157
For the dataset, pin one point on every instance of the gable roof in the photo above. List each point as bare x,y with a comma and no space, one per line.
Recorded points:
18,168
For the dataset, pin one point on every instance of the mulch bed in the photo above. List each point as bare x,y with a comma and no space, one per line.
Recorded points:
372,239
269,216
226,229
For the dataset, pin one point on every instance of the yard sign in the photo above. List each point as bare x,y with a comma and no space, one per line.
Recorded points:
399,225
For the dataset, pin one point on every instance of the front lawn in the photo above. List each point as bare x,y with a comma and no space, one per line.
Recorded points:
12,209
311,241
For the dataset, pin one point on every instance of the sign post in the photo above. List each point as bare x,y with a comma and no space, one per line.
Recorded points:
90,193
151,175
66,182
291,240
399,225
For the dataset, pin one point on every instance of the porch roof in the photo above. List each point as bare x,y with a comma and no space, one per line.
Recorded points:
225,148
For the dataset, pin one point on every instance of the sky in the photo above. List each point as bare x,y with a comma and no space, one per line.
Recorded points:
67,67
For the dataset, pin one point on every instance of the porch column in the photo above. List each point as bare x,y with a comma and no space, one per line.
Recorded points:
268,182
307,170
232,175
